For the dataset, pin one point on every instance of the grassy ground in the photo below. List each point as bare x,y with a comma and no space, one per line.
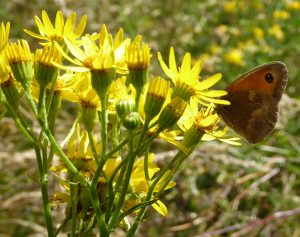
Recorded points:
222,191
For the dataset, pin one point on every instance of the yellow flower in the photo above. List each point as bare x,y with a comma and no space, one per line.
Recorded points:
281,15
140,185
60,30
82,87
186,80
277,32
138,54
258,33
76,87
8,84
44,71
20,60
202,125
63,86
138,58
4,32
229,6
293,5
235,56
107,54
80,153
158,90
18,52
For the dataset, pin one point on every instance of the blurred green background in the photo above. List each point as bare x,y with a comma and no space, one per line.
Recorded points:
222,191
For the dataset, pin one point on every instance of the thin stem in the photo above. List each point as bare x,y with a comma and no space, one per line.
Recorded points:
94,150
93,188
41,101
74,201
97,210
104,126
62,225
44,189
114,220
146,170
50,96
30,99
117,148
111,188
137,99
43,176
63,156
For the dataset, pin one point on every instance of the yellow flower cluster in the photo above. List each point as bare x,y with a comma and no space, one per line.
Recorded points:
107,76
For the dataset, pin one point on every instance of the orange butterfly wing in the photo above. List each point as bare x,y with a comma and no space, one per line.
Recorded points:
254,99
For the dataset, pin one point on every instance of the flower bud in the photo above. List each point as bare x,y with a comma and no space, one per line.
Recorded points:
156,95
11,93
124,107
20,60
132,121
44,71
171,113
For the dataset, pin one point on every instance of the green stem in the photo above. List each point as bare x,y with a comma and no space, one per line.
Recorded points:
137,99
97,210
94,150
74,201
62,225
104,126
93,188
44,189
50,96
41,101
111,189
132,155
30,99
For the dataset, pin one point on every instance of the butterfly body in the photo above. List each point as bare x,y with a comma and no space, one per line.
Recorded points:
254,99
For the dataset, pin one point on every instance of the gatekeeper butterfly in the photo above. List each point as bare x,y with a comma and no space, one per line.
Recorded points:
254,99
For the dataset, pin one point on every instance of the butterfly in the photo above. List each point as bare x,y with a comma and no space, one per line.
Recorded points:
254,98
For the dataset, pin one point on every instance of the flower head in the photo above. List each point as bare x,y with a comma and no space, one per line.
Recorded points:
20,60
203,124
138,54
235,56
60,30
277,32
186,80
44,70
138,61
8,84
106,54
158,90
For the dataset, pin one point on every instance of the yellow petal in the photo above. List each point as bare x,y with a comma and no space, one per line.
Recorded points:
68,28
81,25
47,24
160,208
186,64
59,23
165,68
214,93
209,82
172,61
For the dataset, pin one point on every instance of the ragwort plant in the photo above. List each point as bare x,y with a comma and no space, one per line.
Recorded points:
108,178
